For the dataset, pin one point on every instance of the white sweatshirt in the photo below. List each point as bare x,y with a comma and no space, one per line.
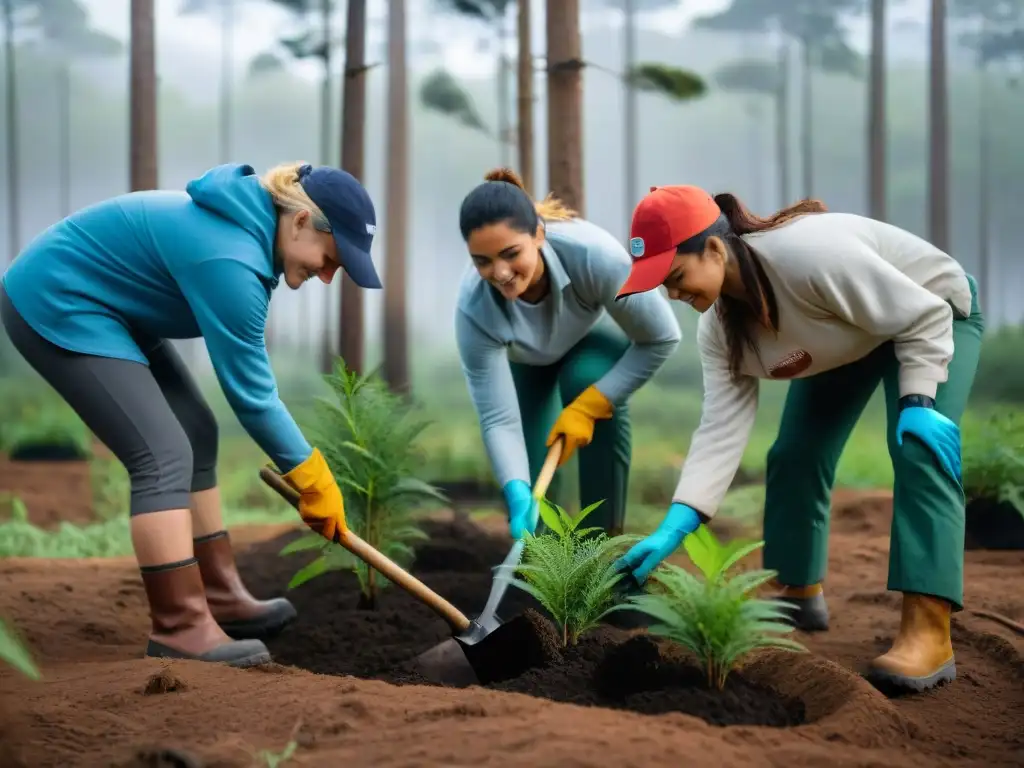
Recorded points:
844,284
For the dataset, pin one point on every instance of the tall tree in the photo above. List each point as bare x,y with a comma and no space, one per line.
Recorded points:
816,28
313,38
524,94
996,35
144,161
761,80
494,14
565,102
226,11
630,116
396,348
11,118
876,114
65,34
351,334
938,129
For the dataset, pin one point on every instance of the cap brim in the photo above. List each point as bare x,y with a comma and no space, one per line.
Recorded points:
647,274
357,263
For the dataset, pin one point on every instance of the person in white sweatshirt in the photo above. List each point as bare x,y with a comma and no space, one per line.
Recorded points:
836,304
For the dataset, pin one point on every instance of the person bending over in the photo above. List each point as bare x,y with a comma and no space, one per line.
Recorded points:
91,303
546,350
834,303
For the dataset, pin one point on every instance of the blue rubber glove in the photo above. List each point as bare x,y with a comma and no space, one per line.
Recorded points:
522,508
939,433
644,557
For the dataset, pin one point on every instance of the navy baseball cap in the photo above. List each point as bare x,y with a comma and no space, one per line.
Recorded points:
350,212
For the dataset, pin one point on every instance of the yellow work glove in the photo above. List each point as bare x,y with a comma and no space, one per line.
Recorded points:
320,504
576,422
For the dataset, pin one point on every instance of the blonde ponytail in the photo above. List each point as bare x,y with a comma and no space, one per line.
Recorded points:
549,209
282,182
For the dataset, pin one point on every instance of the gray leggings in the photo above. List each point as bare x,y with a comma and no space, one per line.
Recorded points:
154,419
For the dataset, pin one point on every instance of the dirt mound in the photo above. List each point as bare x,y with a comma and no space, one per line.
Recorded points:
87,624
52,491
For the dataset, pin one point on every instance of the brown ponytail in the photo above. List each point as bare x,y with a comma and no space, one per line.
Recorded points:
739,316
550,208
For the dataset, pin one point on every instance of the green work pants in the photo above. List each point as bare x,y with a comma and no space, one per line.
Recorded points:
543,391
926,550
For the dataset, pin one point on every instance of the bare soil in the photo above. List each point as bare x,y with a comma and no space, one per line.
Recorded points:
52,491
342,690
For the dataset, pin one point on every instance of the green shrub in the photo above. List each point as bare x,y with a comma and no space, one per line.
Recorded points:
571,570
47,424
111,488
368,437
993,458
716,617
1000,376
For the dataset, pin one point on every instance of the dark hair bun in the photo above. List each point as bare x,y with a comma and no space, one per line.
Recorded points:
505,174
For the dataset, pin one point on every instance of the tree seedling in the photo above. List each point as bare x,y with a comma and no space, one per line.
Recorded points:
716,617
571,570
368,435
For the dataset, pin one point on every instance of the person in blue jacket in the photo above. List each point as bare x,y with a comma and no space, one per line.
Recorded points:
90,304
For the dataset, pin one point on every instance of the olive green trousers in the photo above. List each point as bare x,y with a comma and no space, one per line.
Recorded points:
926,551
604,464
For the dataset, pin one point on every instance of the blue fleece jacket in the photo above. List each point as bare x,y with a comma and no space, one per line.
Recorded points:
169,265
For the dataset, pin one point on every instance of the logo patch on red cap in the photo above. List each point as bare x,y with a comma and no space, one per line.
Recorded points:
636,247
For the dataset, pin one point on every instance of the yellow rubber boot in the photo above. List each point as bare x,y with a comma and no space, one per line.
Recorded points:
921,656
809,609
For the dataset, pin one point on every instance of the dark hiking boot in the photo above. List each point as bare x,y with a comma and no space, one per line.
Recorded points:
182,625
921,656
808,610
239,614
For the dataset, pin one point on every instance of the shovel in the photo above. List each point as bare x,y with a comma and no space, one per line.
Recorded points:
451,662
454,661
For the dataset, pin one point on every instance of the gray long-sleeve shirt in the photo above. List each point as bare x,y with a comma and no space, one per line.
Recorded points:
586,267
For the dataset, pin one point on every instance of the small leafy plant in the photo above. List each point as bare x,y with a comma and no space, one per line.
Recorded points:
571,570
993,459
716,617
368,435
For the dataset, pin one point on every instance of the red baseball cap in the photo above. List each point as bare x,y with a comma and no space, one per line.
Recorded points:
666,217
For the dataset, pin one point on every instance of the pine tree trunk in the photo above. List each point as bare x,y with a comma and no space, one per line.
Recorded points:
11,108
396,351
353,130
524,96
876,114
938,131
143,97
565,103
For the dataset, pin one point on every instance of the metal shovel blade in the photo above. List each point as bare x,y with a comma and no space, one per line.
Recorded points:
452,661
446,664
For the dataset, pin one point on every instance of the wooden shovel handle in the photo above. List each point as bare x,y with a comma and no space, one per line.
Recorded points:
387,567
547,472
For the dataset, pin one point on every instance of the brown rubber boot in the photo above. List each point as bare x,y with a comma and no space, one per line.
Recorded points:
921,656
239,614
808,609
182,625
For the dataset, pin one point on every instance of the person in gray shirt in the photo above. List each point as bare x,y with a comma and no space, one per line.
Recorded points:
547,351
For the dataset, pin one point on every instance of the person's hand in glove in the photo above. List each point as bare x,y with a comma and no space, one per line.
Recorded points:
320,504
522,508
576,422
645,555
919,418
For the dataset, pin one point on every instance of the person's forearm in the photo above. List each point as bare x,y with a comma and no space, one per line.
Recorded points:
506,450
717,448
634,369
276,433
